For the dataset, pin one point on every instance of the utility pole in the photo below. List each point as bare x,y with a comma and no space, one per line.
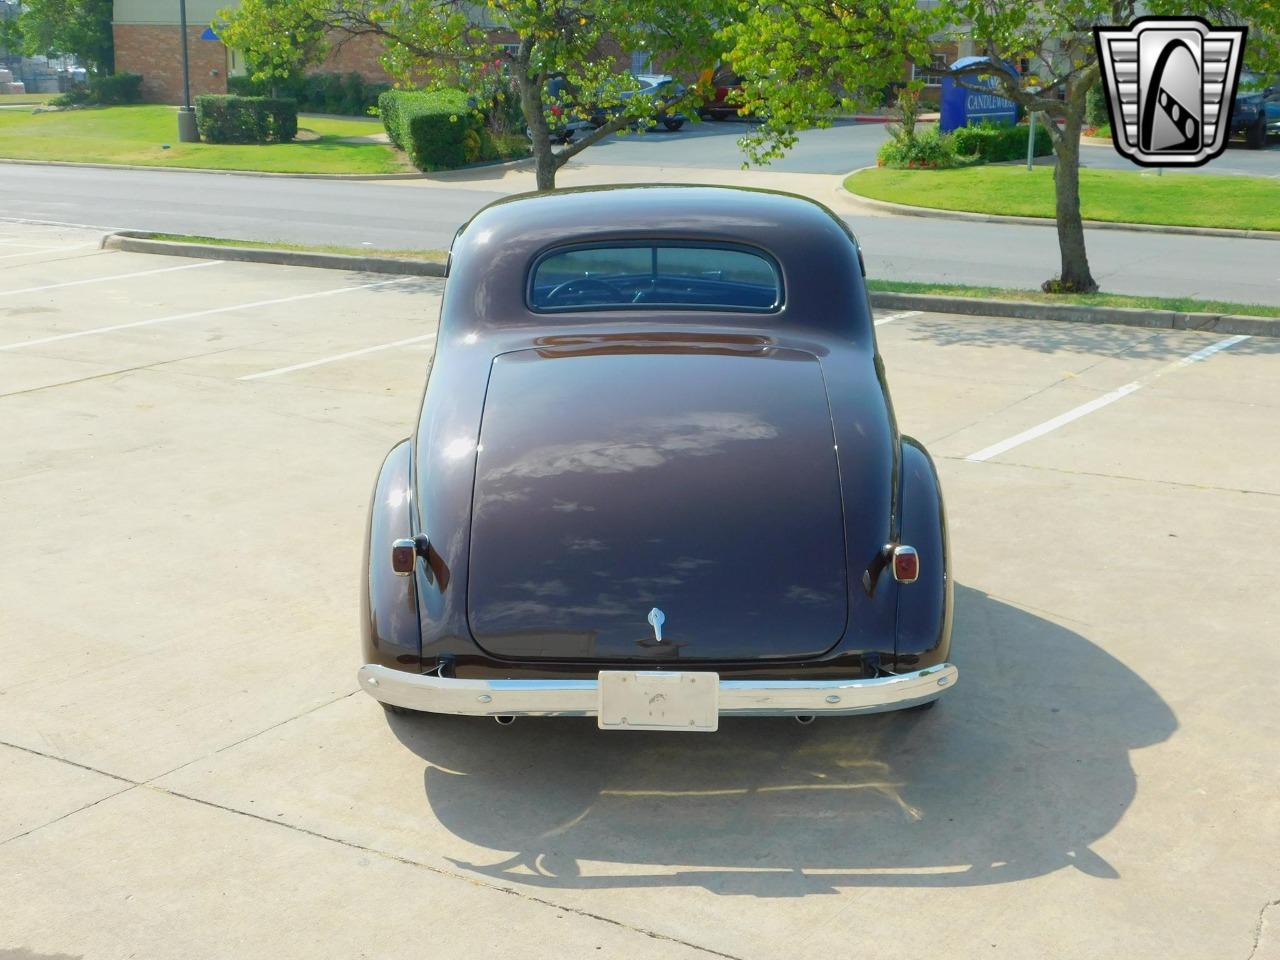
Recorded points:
187,132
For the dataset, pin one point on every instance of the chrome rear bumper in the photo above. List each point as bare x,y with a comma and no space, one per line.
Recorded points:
580,698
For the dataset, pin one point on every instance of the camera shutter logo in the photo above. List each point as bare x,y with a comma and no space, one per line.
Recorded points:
1170,82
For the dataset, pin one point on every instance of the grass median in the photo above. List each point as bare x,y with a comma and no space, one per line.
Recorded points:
25,99
1178,199
1176,304
436,256
139,135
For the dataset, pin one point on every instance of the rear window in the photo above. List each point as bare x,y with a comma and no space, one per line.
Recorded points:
648,276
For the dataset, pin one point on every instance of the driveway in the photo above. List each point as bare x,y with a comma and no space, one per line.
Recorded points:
186,453
847,146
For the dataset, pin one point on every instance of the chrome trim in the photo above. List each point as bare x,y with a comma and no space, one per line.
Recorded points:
579,698
656,619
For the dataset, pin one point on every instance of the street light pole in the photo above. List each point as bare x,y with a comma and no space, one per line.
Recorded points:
187,132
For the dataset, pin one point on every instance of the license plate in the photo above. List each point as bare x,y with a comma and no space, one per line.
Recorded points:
652,700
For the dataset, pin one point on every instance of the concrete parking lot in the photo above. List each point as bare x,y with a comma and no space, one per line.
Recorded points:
187,769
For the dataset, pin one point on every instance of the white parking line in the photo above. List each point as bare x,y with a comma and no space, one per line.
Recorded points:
341,356
898,316
36,251
199,313
116,276
1004,446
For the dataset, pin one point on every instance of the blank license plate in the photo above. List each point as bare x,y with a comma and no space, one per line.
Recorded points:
649,700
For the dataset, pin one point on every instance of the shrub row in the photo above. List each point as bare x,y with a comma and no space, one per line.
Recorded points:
316,92
232,119
993,143
104,91
440,129
985,143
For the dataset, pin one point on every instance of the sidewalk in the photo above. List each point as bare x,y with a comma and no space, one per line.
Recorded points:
507,179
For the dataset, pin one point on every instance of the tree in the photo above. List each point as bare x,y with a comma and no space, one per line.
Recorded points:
860,44
77,28
453,43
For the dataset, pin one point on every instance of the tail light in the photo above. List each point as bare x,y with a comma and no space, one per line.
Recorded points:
404,557
906,564
557,112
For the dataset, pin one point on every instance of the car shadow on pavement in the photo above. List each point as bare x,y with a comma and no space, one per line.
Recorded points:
1015,774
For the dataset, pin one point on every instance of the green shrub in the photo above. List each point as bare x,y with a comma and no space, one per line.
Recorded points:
928,148
233,119
1095,107
994,142
244,86
114,88
316,92
439,129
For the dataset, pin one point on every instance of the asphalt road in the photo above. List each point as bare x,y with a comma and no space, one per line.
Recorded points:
409,215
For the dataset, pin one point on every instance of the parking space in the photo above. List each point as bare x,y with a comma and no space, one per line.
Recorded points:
186,454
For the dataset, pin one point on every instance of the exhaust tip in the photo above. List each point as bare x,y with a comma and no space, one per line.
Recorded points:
504,720
805,719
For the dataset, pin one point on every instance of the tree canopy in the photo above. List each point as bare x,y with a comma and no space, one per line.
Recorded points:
806,59
76,28
452,43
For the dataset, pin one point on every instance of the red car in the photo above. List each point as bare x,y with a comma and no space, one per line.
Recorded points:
723,87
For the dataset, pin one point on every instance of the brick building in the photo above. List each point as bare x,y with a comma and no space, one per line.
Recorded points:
147,39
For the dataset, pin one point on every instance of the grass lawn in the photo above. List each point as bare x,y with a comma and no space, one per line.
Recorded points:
135,135
438,256
33,99
1116,195
1178,304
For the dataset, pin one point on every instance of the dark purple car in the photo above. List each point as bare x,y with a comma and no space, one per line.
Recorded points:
656,477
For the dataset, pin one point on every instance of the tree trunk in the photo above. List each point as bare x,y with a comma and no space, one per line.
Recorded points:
1075,276
535,118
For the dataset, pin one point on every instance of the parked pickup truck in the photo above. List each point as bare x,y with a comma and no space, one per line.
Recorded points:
1255,112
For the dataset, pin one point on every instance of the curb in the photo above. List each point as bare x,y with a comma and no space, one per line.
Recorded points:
1073,313
138,242
907,210
434,175
229,173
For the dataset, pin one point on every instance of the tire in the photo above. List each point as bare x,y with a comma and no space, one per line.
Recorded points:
922,707
1256,135
673,125
395,711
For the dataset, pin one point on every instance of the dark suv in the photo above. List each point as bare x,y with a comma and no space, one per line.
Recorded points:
1256,109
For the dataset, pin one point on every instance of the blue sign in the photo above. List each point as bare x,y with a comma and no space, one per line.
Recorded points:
962,106
209,34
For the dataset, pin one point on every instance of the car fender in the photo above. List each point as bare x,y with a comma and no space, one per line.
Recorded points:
391,633
923,632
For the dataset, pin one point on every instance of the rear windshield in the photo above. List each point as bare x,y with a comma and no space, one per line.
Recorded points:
645,276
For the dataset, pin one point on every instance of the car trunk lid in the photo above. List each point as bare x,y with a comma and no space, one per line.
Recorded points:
699,482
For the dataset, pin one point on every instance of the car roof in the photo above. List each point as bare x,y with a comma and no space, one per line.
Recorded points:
493,253
670,211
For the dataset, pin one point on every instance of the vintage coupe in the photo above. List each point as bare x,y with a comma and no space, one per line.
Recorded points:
656,477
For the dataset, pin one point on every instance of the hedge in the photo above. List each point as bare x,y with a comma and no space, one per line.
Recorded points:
316,92
995,142
104,91
438,129
232,119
